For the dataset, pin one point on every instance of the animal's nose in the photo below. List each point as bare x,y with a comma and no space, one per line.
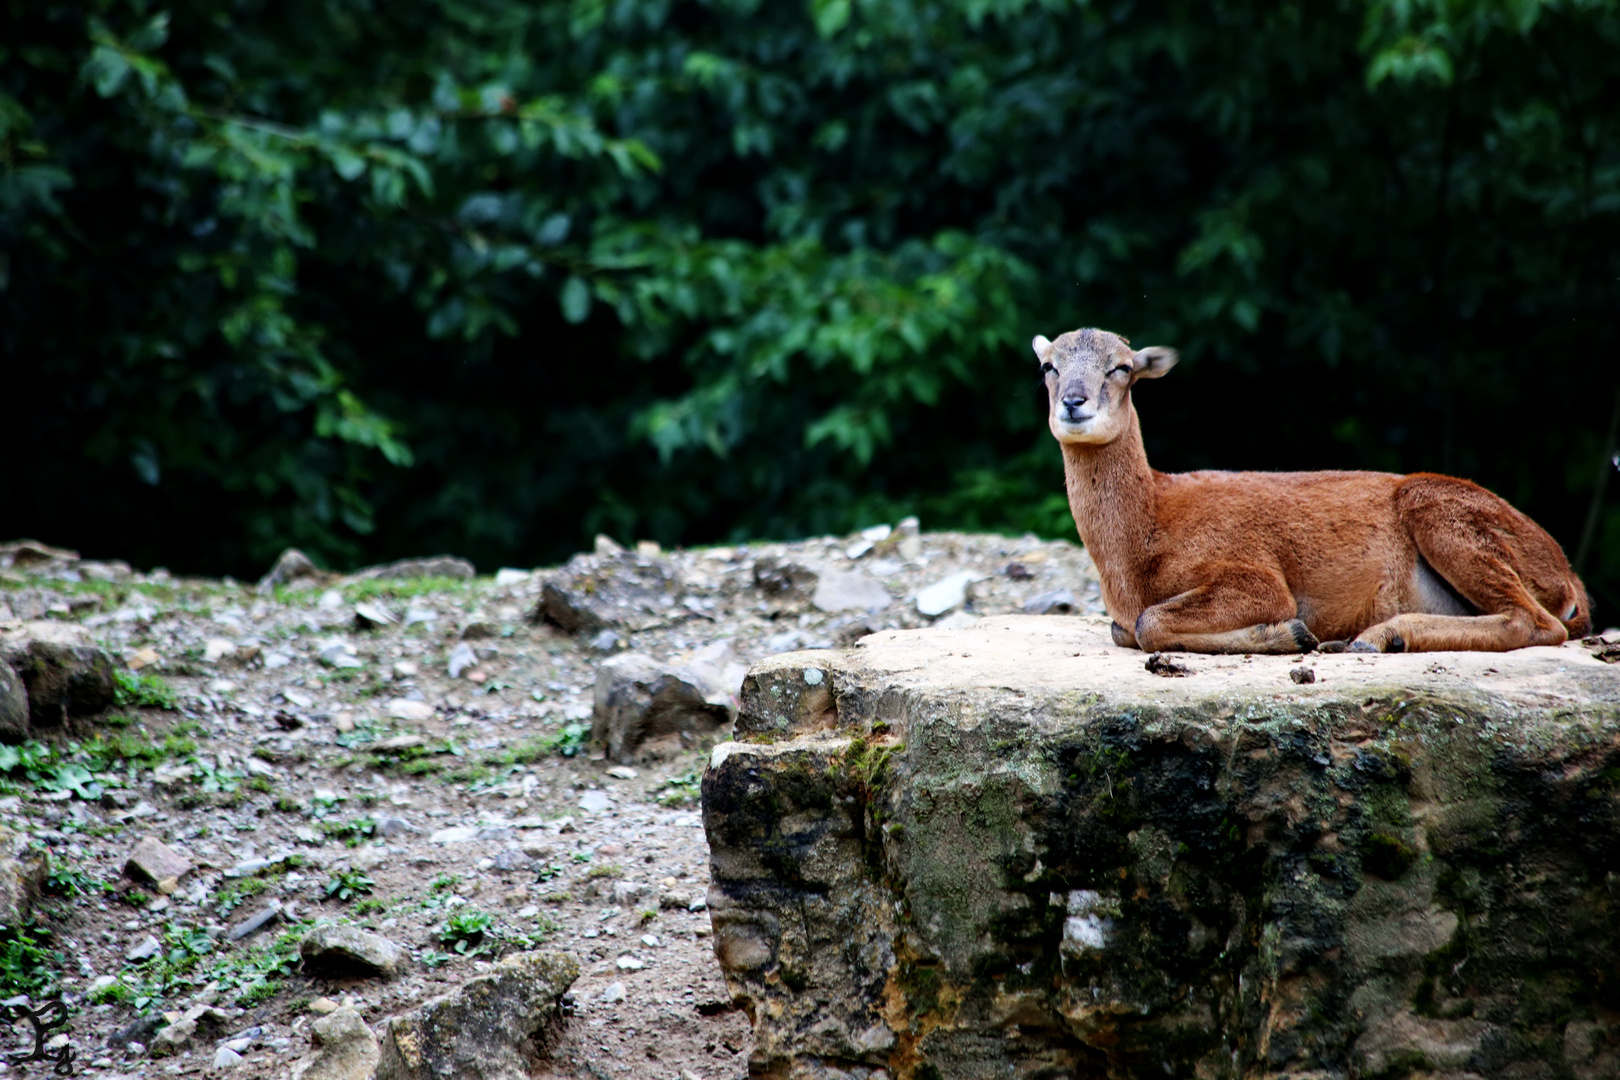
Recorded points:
1073,402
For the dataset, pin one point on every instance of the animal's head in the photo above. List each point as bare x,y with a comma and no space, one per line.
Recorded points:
1089,374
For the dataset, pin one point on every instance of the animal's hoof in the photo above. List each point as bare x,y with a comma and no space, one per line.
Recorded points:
1304,640
1396,643
1361,646
1331,646
1122,637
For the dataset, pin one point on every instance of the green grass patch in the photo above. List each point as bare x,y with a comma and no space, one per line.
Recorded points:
131,690
403,588
28,962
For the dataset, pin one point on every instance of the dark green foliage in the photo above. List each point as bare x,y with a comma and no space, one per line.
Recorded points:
28,963
487,277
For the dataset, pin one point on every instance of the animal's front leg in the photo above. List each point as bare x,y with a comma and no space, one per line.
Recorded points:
1240,609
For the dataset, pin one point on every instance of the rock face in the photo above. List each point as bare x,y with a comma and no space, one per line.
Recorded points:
23,869
13,706
63,673
610,592
351,951
1012,851
491,1028
641,703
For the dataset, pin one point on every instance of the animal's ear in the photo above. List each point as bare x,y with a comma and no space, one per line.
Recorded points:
1040,345
1153,361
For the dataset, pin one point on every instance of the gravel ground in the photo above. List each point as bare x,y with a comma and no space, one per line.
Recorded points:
304,750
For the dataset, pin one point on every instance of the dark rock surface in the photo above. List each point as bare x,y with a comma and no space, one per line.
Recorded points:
641,702
494,1027
1008,850
618,591
63,673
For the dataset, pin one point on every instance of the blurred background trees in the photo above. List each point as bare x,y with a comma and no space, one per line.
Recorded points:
490,276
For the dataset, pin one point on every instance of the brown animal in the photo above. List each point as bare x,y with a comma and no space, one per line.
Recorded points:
1235,562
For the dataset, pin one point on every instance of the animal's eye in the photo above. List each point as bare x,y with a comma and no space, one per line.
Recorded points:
1047,369
1126,368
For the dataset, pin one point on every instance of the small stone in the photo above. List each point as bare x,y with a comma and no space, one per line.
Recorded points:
405,669
606,641
255,922
330,600
675,900
606,545
432,566
614,993
154,862
348,949
1302,675
371,616
506,575
478,630
143,658
842,590
298,698
455,834
339,654
651,941
1056,602
226,1058
462,658
216,649
414,615
595,801
648,548
291,567
623,772
390,825
143,950
630,963
405,709
944,595
322,1005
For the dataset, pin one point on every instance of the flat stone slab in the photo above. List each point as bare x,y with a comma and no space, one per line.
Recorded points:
1012,850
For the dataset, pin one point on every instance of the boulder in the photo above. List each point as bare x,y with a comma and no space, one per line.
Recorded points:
610,592
1012,850
292,567
23,869
646,707
63,673
347,1048
348,950
492,1027
199,1021
157,864
790,585
433,566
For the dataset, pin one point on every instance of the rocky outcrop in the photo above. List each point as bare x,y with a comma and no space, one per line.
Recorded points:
492,1027
617,591
62,672
645,708
1013,850
23,869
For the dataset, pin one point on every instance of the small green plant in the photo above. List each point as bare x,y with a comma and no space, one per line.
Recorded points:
370,906
116,992
444,883
142,691
352,833
571,740
582,856
233,894
683,790
28,965
347,884
432,958
465,932
604,870
71,882
547,872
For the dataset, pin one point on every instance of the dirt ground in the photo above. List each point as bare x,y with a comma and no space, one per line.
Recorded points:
332,769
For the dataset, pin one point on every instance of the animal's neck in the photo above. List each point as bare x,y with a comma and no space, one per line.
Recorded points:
1112,495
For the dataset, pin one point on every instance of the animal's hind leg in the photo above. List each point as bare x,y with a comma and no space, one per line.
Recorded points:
1478,543
1239,609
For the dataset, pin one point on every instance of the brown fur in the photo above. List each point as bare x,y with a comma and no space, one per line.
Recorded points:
1276,562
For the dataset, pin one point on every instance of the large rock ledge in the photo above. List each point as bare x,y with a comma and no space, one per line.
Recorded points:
1011,851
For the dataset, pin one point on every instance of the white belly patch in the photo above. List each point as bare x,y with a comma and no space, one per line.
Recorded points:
1434,596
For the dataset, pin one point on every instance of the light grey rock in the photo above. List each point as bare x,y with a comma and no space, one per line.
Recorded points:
254,922
433,566
226,1058
462,659
391,825
849,590
644,707
348,949
493,1027
157,864
595,801
23,869
346,1049
143,950
63,672
614,993
619,592
945,594
1009,850
1055,602
292,567
199,1021
370,615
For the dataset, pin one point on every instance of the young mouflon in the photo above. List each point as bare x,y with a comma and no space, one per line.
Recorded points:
1250,562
